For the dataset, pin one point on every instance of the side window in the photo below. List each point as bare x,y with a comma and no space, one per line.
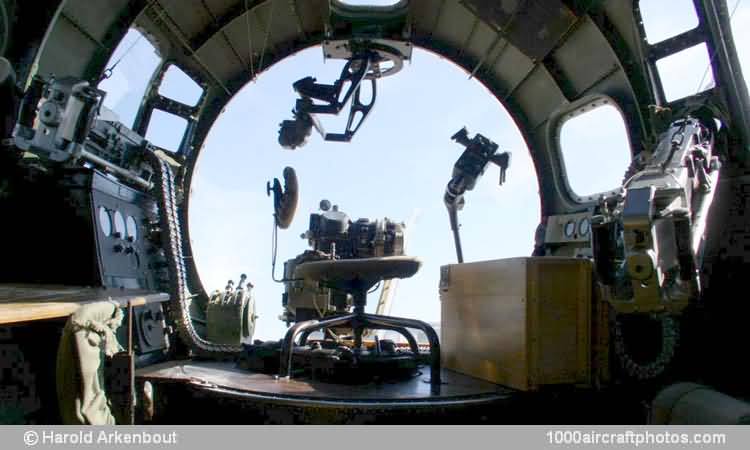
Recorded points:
178,86
688,71
166,130
132,65
741,34
663,20
685,73
595,149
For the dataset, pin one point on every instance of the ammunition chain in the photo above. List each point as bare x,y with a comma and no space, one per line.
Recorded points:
670,337
172,244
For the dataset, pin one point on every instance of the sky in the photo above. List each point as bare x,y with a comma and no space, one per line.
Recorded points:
396,166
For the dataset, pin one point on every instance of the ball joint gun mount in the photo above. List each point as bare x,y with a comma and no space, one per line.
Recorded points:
294,133
471,165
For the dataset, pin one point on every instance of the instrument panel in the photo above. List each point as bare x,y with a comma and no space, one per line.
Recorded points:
566,228
122,217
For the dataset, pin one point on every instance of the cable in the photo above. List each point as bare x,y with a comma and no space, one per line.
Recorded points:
174,29
265,38
249,40
374,288
274,251
108,72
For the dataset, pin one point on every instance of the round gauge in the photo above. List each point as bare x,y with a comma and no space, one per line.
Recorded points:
105,221
119,225
570,229
584,226
132,228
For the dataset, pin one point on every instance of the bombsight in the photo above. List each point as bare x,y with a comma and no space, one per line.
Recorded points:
332,235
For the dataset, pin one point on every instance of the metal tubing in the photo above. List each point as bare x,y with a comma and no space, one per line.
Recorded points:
287,347
305,335
402,331
361,321
92,158
453,216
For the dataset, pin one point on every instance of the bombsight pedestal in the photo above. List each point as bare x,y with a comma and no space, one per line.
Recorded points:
326,290
356,277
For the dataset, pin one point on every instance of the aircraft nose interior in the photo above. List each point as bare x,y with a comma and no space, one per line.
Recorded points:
111,113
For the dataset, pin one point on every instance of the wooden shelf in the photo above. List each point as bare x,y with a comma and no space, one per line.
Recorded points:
29,302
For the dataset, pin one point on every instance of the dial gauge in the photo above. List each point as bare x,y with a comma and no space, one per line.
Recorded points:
132,228
570,229
119,225
584,226
105,221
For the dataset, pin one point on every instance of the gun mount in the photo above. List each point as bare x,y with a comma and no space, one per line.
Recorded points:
471,165
366,61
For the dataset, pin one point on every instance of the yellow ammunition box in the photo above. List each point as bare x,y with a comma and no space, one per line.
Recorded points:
518,322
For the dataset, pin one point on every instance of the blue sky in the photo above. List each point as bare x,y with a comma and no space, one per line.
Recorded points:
396,166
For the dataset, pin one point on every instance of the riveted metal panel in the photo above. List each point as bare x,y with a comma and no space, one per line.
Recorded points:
534,26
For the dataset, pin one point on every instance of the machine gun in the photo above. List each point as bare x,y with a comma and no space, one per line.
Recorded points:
648,242
125,190
472,163
365,61
59,121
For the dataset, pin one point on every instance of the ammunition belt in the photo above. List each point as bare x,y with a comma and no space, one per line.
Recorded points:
641,371
179,307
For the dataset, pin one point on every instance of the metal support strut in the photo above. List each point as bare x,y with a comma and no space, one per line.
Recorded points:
359,321
469,167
